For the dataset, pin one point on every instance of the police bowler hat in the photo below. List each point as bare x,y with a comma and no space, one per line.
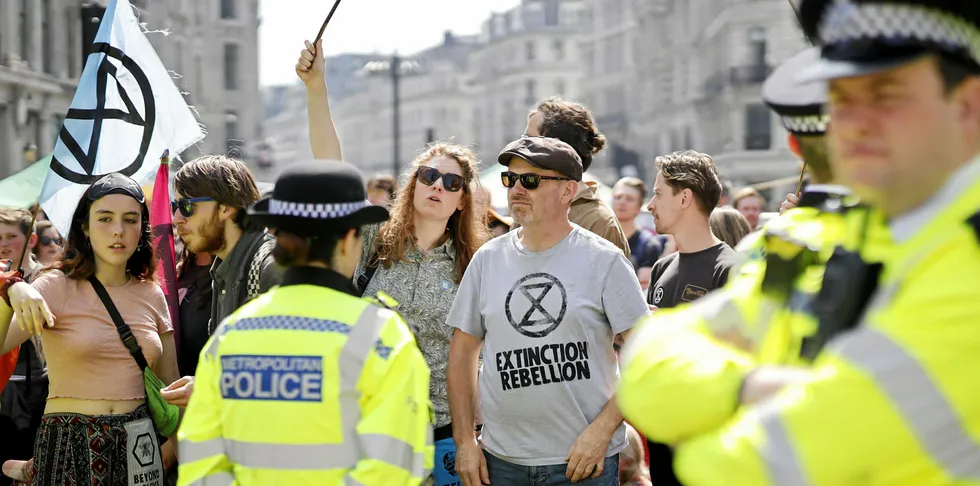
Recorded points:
859,37
320,196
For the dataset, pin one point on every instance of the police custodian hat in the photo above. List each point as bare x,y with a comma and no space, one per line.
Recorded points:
799,104
859,37
316,197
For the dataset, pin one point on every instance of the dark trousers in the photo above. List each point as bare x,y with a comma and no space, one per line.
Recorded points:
21,408
662,465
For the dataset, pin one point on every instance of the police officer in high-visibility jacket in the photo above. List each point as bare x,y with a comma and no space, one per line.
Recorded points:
893,401
309,384
766,313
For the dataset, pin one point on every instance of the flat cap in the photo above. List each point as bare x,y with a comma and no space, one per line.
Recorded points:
545,153
799,104
859,37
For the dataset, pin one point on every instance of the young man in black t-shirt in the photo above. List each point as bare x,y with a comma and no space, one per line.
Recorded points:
687,189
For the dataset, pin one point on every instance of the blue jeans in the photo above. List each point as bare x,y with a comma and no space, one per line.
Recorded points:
505,473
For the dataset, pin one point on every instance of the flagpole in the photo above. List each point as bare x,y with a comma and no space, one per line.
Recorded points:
325,22
27,239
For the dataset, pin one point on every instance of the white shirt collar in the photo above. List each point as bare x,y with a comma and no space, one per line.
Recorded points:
905,226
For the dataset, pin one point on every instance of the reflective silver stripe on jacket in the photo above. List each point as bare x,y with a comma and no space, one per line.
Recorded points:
922,405
216,479
364,337
778,455
932,419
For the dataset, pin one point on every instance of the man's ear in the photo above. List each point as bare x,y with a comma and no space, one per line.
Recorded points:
226,212
968,95
32,241
687,198
571,188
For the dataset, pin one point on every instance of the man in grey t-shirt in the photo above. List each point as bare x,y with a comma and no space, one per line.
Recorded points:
545,303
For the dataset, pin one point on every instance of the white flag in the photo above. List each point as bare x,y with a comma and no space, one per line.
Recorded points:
125,113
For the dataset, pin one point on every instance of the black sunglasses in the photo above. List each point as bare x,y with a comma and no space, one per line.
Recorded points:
47,240
452,182
529,181
186,206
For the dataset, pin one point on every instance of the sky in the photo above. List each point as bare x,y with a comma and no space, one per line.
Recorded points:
365,26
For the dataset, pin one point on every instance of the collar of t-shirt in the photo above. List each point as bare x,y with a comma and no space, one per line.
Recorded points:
710,251
516,241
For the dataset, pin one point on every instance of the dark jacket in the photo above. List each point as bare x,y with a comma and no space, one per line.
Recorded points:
230,277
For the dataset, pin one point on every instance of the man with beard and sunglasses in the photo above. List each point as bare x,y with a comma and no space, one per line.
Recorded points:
546,328
212,195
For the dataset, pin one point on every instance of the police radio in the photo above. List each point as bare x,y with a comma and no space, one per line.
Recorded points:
847,287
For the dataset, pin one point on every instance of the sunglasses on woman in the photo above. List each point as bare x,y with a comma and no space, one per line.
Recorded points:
452,182
186,205
47,240
529,181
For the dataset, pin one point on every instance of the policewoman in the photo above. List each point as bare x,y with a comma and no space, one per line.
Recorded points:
309,384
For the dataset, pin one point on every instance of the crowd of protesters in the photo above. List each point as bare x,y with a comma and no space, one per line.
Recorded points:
445,253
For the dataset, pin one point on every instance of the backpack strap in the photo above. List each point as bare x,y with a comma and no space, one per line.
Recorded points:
255,269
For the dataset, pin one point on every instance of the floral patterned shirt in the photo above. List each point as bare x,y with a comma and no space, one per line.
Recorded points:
425,288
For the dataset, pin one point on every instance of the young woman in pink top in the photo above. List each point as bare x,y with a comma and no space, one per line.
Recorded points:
96,387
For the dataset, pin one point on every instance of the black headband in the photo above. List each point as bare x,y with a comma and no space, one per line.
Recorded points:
116,183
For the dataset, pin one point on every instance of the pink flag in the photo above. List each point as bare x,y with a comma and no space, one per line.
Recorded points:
162,231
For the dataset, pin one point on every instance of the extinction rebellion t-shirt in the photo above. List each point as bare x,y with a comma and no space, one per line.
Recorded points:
548,320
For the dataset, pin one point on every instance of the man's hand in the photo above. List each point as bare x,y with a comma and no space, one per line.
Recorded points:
588,453
763,383
471,464
179,392
310,65
792,200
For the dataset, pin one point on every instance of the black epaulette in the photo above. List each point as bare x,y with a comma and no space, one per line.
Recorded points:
828,198
974,221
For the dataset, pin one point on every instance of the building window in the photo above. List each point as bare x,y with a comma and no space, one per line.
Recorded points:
559,47
758,127
757,45
25,37
47,51
231,67
228,9
560,87
529,48
530,88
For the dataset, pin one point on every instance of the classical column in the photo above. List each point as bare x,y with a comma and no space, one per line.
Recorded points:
34,35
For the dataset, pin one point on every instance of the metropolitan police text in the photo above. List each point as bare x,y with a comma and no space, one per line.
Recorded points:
541,365
258,377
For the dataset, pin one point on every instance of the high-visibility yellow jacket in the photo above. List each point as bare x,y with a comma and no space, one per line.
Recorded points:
894,401
309,385
684,367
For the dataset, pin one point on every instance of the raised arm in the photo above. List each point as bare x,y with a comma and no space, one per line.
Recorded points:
324,140
31,312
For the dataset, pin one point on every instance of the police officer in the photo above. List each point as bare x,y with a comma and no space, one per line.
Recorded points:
765,311
889,402
310,384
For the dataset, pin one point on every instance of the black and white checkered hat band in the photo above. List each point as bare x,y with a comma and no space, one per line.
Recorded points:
846,21
315,211
806,124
